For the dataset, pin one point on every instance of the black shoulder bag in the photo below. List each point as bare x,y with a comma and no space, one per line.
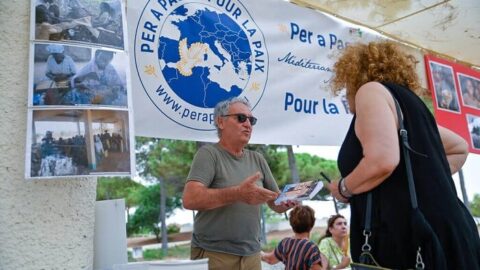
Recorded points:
421,229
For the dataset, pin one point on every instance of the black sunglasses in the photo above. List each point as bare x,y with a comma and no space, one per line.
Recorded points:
241,118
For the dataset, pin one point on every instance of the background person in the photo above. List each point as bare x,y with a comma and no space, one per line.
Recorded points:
99,83
99,150
334,245
370,160
298,252
60,67
227,184
109,16
444,87
469,93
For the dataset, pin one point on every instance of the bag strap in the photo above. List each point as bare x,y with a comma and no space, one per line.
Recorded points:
403,134
406,147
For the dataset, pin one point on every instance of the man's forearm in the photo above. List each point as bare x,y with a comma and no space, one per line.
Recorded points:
202,198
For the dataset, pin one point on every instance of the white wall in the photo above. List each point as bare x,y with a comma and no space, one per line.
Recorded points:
110,241
43,224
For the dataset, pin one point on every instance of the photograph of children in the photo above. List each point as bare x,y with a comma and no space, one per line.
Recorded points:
444,87
88,21
71,75
79,142
470,88
473,122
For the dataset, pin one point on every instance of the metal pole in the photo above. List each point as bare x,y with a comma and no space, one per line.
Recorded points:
464,190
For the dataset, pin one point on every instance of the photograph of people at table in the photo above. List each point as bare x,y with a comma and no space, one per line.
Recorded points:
71,75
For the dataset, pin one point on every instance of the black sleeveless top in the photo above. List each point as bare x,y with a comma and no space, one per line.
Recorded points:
391,240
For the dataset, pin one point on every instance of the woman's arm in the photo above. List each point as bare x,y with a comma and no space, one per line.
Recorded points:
455,147
376,128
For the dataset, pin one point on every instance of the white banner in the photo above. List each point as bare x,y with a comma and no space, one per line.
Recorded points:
188,55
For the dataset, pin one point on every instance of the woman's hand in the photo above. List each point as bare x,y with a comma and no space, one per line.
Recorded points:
345,262
333,187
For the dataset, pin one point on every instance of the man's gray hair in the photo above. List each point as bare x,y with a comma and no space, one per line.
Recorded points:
223,107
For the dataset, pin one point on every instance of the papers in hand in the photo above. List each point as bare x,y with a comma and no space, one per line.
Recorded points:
299,191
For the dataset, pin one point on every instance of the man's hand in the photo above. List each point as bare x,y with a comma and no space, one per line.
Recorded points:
283,206
196,196
250,193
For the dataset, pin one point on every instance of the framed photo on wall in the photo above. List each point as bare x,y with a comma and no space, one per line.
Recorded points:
455,90
444,87
79,142
474,130
93,22
66,75
470,90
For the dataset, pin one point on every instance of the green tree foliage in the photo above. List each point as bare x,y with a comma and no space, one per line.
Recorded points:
146,216
168,159
309,167
109,188
475,205
427,99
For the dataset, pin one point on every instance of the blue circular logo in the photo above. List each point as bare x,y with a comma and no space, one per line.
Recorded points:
209,61
192,55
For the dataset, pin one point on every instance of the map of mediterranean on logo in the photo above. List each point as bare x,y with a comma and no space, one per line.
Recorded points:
189,55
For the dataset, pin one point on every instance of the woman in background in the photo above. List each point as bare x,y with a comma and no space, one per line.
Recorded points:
334,244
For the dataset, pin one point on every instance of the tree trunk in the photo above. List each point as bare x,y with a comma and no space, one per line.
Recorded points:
264,225
292,164
163,202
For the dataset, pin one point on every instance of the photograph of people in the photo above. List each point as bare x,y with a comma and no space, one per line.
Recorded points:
64,143
469,87
98,82
444,87
95,21
71,75
54,67
474,130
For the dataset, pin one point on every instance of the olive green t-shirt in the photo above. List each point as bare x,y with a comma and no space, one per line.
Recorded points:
234,228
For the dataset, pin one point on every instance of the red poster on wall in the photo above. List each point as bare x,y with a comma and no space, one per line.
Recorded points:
456,98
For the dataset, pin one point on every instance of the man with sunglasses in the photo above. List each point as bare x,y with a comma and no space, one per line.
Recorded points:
226,185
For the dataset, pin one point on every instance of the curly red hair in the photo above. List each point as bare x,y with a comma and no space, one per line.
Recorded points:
380,61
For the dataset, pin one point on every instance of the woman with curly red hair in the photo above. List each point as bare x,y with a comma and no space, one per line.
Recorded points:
371,161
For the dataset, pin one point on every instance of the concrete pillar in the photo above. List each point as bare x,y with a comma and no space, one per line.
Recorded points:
44,224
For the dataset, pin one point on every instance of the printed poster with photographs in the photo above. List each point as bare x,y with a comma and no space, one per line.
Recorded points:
456,96
79,102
